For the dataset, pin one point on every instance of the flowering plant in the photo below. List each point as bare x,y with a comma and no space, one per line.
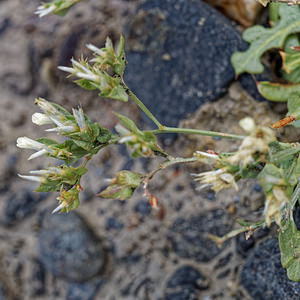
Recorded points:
274,164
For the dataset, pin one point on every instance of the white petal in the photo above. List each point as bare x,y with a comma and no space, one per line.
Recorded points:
95,49
126,139
58,208
39,172
37,154
40,119
27,143
80,66
31,178
66,69
88,76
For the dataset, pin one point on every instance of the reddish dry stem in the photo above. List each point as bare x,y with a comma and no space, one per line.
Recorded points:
283,122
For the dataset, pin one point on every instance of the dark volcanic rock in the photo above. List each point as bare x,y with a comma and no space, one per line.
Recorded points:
263,276
243,245
20,205
38,279
187,276
2,293
69,249
186,293
84,291
179,56
189,236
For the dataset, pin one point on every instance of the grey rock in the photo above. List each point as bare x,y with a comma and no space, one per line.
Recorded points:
189,236
186,293
263,276
84,291
187,276
243,245
179,56
38,279
20,205
69,249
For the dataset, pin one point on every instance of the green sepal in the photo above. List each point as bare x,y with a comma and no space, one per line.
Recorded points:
116,191
268,171
86,84
129,124
46,141
116,93
50,186
122,186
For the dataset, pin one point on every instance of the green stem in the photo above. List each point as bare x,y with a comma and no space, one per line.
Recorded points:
141,105
169,163
165,129
199,132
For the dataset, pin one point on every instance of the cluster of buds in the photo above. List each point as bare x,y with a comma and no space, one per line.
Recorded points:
43,148
89,136
122,186
95,74
142,143
58,7
84,138
63,179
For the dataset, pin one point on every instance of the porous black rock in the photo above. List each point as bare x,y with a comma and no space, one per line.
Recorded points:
68,247
38,279
243,245
187,276
263,276
84,291
179,56
2,293
20,205
186,293
189,238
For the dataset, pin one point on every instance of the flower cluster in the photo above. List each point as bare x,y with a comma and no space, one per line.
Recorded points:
142,143
84,138
95,74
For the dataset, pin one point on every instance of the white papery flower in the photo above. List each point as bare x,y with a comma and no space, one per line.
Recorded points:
217,180
41,119
27,143
32,178
80,71
96,50
43,10
79,117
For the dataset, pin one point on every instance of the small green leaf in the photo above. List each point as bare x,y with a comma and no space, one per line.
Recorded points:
117,192
129,124
269,171
289,243
294,108
263,39
47,141
276,91
117,93
50,186
86,84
